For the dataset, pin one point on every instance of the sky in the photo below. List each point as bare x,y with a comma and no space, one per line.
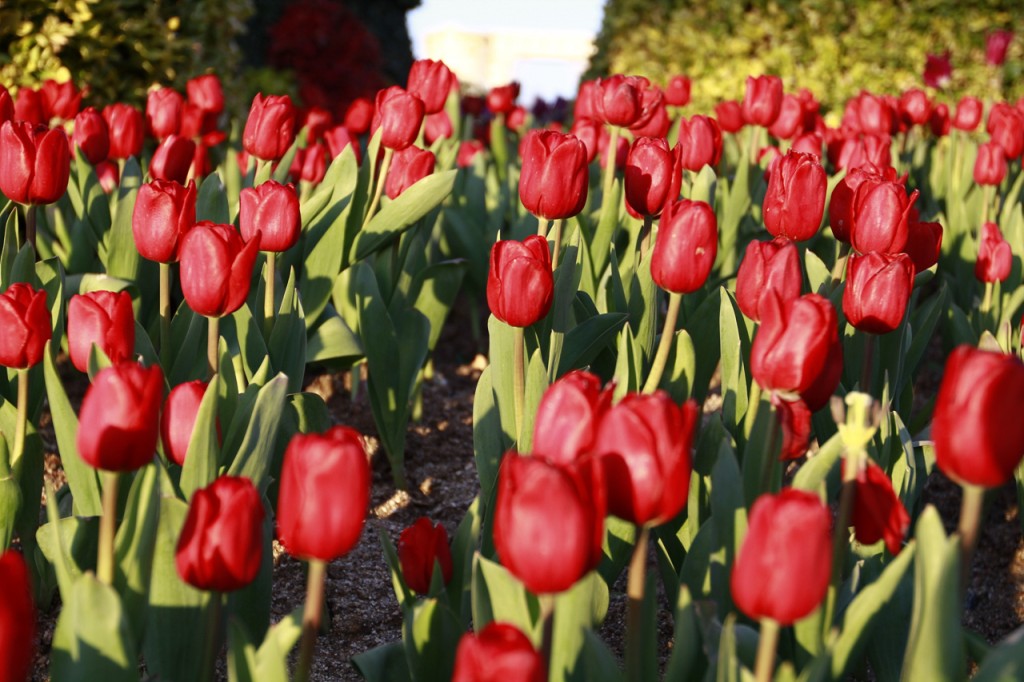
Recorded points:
536,78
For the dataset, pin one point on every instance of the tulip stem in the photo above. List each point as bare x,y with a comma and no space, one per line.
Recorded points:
542,226
767,642
213,344
753,144
986,302
547,623
753,407
609,169
634,612
165,315
556,237
986,202
108,525
841,536
30,225
22,424
768,463
645,237
840,265
867,368
268,298
211,645
668,334
970,520
378,189
311,617
519,378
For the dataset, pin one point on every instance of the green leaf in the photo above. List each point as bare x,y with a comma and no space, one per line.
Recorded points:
488,445
703,327
72,548
687,661
499,596
438,285
385,663
1005,662
811,475
818,274
135,543
585,341
401,213
212,200
254,456
123,259
734,349
203,454
577,610
287,345
332,340
431,635
536,385
599,662
93,640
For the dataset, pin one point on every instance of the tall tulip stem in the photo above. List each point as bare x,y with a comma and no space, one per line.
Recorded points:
385,166
311,617
213,344
519,378
645,237
767,643
634,612
21,425
970,520
768,463
108,526
268,298
986,302
668,334
840,537
211,645
30,225
986,202
556,237
165,315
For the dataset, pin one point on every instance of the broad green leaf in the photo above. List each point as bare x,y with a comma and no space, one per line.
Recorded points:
332,340
1005,662
135,543
599,663
498,596
253,458
203,454
488,444
400,214
287,345
577,610
385,663
584,341
431,635
123,259
93,639
212,200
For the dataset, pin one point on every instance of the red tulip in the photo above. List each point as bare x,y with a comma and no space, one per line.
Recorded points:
437,126
35,163
206,93
269,214
399,116
808,143
163,112
164,211
990,164
792,346
172,159
359,116
554,179
103,318
107,174
995,259
59,100
968,113
316,121
877,512
419,546
619,100
878,287
588,131
17,618
120,417
430,81
841,204
92,135
178,419
730,116
938,120
784,565
340,137
221,544
869,114
861,150
498,653
6,105
700,143
976,425
520,287
914,107
653,176
126,130
501,99
548,521
938,70
270,128
996,45
28,107
924,242
26,325
795,199
767,266
685,246
310,164
790,119
878,215
677,92
1006,126
408,167
621,149
468,150
216,268
653,119
569,414
762,100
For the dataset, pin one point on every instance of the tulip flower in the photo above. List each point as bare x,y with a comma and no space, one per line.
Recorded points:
35,163
685,246
25,321
220,548
869,114
568,417
520,287
968,113
554,178
164,211
653,176
107,174
399,116
877,512
996,44
172,159
18,618
206,93
619,99
808,143
677,92
178,419
938,70
588,131
419,547
995,258
126,130
6,105
878,287
59,100
700,143
310,164
163,112
767,266
340,137
408,167
270,128
359,116
468,150
28,107
653,119
860,150
730,116
316,120
548,557
795,199
502,98
430,81
762,100
104,319
216,266
790,119
914,107
794,341
437,127
1006,126
92,136
990,164
924,242
121,411
498,653
794,418
938,120
269,214
878,215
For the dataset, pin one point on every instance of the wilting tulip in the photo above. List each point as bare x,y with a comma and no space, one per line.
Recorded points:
795,199
408,167
767,266
762,100
92,135
995,258
216,268
677,92
924,242
700,143
644,443
126,130
554,178
498,653
565,428
399,115
270,128
269,213
502,98
878,215
35,163
121,417
325,493
59,100
548,557
790,119
103,318
792,346
18,619
877,512
172,159
163,112
419,546
468,150
968,113
938,70
178,419
784,565
996,45
990,164
520,287
878,287
976,426
25,321
359,116
730,116
221,543
685,246
164,211
430,81
653,176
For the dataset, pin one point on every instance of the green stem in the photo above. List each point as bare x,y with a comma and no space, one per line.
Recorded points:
986,303
30,225
767,643
268,299
213,344
542,226
645,238
21,425
108,526
668,334
840,265
311,617
211,645
165,315
867,369
754,130
519,378
768,463
385,166
753,407
986,204
970,520
547,619
556,237
634,613
608,179
840,538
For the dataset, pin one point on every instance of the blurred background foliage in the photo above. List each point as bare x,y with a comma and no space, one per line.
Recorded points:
834,47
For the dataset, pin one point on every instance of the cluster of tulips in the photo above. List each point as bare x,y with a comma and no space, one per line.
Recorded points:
766,446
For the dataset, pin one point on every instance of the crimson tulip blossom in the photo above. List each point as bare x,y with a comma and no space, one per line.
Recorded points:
120,417
419,547
26,324
216,268
103,318
520,286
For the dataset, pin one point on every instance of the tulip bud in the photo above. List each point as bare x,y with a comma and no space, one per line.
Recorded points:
126,130
206,93
938,70
309,164
767,266
878,287
685,246
340,137
1006,126
430,81
399,116
359,116
520,287
730,116
790,119
325,493
996,45
498,653
18,618
968,113
653,176
178,419
924,242
121,417
163,112
437,127
501,99
877,512
554,179
468,150
990,164
938,120
164,211
408,167
762,100
172,159
565,429
995,259
878,215
792,346
794,417
914,107
92,135
976,425
677,92
419,546
795,199
548,557
216,268
644,443
700,143
35,163
784,565
269,214
221,544
25,321
270,128
103,318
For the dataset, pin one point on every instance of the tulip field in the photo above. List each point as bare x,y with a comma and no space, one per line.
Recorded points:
725,358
